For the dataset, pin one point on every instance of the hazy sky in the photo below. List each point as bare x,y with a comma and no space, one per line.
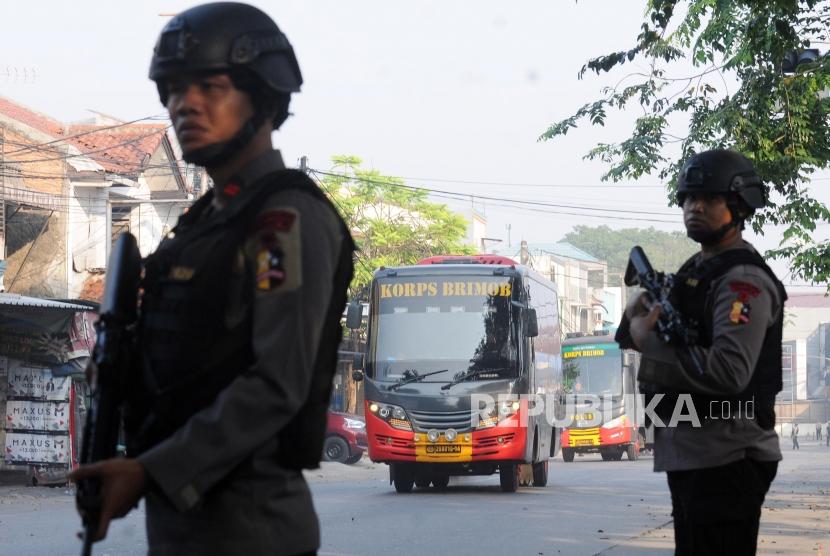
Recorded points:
444,90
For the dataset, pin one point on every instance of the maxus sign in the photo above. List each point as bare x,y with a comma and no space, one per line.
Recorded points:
36,382
29,448
37,416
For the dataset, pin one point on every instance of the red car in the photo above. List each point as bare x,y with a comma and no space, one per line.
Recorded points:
345,438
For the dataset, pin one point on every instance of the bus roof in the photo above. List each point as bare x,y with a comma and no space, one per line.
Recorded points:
469,259
603,338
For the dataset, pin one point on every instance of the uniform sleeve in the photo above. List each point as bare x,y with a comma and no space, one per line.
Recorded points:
744,303
290,260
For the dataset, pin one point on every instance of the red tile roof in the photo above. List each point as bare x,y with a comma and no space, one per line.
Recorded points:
122,150
30,117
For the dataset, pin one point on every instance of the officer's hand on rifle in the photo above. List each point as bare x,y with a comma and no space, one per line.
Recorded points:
638,305
642,324
123,483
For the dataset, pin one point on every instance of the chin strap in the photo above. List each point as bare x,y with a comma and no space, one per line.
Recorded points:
715,236
216,154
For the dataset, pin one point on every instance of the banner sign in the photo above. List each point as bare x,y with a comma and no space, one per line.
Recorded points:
35,334
37,416
27,448
36,382
484,287
589,350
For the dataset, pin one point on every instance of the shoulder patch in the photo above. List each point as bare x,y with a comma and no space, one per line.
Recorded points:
745,290
739,314
278,220
276,250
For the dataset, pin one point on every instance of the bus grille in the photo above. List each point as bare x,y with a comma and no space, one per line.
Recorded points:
583,433
583,437
423,421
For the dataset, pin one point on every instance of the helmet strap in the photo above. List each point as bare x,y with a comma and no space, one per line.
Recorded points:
218,153
715,236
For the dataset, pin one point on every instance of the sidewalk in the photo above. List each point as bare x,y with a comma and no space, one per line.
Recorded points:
796,513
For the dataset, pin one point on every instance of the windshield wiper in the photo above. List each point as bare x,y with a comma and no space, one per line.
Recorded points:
471,373
411,375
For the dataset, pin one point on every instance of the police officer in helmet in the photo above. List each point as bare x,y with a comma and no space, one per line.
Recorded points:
722,456
240,310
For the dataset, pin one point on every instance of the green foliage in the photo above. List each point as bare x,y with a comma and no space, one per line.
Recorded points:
778,120
392,225
666,250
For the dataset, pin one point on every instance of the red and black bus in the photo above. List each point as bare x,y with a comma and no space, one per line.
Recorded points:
599,382
444,336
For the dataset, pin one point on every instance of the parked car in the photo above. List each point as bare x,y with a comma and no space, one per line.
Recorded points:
345,438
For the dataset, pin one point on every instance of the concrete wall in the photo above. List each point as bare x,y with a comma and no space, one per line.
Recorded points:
35,238
36,252
88,234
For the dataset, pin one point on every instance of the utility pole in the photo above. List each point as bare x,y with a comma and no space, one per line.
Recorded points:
509,226
524,255
2,194
304,164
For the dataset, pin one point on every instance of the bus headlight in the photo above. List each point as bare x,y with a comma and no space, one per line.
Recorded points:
392,414
498,412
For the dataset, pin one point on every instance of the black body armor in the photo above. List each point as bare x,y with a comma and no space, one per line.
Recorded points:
690,297
189,355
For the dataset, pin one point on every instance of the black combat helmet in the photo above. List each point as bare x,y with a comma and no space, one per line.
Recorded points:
224,37
721,171
237,39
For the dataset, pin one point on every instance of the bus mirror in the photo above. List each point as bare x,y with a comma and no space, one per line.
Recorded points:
531,324
354,315
357,364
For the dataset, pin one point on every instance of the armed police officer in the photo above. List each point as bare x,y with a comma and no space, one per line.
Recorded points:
240,311
720,471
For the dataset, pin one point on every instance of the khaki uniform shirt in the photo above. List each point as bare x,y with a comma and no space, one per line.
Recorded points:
738,331
218,488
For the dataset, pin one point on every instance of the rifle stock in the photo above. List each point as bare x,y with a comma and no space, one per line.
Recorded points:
110,360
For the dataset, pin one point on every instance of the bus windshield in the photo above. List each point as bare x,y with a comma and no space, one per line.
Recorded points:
592,369
431,323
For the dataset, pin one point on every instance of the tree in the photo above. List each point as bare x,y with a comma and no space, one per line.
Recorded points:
393,224
778,119
666,250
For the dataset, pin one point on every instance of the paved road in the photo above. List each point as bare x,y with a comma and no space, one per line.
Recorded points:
589,507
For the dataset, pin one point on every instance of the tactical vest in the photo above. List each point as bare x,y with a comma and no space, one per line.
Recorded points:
690,297
189,355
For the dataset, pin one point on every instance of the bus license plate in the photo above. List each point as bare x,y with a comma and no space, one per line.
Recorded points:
444,449
585,442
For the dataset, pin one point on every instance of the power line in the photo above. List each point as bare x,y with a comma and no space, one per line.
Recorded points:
94,151
36,146
498,199
548,185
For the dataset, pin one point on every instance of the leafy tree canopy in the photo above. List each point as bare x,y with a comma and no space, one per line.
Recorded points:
392,224
666,250
779,120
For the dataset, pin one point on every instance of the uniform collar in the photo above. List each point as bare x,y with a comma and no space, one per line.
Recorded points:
266,163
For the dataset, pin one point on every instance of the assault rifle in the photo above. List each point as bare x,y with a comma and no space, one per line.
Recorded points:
110,360
672,328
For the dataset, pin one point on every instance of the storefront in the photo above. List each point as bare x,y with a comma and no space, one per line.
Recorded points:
44,347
